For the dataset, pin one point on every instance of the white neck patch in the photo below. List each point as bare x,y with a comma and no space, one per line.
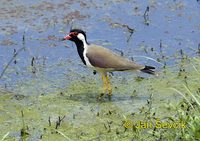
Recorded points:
82,38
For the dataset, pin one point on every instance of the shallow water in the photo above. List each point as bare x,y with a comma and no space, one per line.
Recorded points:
47,78
173,26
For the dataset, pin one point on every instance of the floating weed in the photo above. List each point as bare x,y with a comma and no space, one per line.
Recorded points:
24,132
146,16
58,122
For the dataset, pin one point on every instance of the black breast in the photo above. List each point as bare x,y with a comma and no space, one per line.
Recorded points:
80,49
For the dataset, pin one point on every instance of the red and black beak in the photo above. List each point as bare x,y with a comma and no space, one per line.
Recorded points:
68,37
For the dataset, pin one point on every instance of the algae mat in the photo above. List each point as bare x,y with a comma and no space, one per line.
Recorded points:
74,113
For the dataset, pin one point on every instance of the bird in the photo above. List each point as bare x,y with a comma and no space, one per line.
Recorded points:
103,60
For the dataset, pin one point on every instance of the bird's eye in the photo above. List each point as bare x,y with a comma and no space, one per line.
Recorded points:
74,33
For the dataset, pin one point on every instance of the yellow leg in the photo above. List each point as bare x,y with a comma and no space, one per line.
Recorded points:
109,88
106,84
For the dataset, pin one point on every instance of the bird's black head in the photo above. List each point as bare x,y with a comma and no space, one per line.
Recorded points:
76,35
79,37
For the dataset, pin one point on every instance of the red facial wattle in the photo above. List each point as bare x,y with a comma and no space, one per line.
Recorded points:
68,37
71,34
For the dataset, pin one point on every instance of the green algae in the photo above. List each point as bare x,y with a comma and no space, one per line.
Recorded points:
72,111
86,118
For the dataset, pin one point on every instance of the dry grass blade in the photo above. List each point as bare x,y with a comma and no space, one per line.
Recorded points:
148,58
182,96
195,69
63,135
5,136
192,95
11,60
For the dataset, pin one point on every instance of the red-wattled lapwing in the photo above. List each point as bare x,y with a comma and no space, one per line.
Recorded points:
101,59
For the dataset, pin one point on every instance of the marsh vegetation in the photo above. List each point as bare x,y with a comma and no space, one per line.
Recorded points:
47,94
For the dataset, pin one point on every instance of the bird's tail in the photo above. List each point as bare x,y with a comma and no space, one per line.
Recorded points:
149,70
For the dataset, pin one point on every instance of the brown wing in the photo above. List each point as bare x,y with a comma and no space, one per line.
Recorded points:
104,58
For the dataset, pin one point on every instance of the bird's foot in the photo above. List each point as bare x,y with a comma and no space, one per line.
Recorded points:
109,97
109,91
100,96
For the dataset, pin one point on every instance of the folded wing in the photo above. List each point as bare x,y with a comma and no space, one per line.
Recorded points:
104,58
